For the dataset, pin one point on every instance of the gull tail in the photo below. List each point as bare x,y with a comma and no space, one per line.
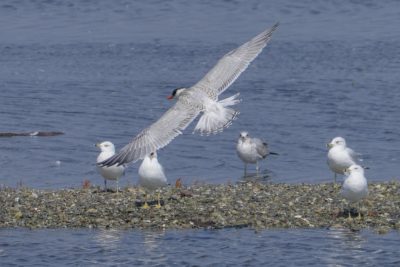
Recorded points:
217,116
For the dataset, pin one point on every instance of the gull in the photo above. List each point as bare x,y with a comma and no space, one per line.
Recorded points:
355,186
112,172
200,98
152,176
340,157
251,150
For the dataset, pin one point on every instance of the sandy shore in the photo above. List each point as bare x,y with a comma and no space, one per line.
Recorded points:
247,204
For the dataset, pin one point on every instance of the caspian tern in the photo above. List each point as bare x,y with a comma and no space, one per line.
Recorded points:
200,98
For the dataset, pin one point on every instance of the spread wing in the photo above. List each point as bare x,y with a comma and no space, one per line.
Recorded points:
156,136
230,66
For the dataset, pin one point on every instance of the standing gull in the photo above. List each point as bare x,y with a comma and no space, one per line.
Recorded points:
200,98
355,186
251,150
152,176
340,157
112,172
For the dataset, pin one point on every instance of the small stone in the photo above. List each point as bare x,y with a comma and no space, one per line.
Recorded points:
91,210
18,215
383,230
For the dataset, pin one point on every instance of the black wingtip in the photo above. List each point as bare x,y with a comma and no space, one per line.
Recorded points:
274,153
108,162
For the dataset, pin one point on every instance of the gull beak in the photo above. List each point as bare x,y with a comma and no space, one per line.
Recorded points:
347,171
170,97
329,145
97,145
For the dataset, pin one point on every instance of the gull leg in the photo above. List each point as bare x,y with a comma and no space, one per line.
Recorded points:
349,207
145,206
343,207
348,210
257,168
105,185
334,178
359,210
158,201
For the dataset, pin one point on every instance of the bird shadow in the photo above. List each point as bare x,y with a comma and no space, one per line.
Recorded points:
151,203
353,213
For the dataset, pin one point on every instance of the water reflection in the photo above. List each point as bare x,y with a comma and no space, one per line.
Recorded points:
153,252
108,239
350,246
351,239
152,240
265,176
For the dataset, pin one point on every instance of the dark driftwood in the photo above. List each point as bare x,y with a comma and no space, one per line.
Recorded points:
39,133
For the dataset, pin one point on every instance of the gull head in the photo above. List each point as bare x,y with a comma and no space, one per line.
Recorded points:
106,146
354,169
243,136
176,93
337,141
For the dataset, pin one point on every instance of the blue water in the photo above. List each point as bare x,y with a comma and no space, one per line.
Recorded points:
100,70
231,247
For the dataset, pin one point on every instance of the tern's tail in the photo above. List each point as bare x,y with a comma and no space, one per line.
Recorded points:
217,116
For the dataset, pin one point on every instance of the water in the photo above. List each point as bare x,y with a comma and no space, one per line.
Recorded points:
100,70
229,247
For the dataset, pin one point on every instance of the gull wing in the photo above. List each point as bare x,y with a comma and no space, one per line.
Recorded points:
156,136
230,66
261,147
356,157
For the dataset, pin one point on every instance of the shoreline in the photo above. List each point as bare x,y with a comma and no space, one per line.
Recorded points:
244,204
